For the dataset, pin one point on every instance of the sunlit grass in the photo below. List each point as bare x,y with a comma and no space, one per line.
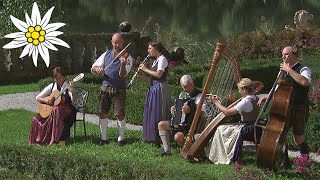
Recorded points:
21,88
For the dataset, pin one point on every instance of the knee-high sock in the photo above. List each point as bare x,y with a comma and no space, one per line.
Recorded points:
285,155
103,123
121,129
164,135
304,148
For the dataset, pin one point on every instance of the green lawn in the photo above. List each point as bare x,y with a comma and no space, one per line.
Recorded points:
136,160
21,88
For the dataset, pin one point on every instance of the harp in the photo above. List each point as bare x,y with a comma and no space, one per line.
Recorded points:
223,75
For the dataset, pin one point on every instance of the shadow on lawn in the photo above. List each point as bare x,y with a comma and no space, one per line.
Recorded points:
94,139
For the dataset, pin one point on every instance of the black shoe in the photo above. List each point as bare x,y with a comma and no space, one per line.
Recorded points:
157,144
285,164
121,143
102,142
163,153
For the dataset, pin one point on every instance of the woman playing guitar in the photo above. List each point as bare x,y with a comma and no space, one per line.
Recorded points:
54,127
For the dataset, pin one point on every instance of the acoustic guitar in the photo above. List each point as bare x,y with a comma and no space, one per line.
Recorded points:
45,109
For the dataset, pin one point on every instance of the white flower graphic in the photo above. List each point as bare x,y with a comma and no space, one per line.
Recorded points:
37,35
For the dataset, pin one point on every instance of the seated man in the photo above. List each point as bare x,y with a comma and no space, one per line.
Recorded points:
164,126
228,138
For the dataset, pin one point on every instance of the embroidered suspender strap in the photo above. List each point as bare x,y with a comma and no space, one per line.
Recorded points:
52,86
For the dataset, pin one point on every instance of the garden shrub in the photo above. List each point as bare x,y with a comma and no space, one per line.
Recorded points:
42,164
258,45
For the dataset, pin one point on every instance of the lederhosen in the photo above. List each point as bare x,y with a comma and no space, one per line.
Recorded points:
113,86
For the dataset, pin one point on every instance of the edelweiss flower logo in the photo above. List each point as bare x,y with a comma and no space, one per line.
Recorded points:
37,35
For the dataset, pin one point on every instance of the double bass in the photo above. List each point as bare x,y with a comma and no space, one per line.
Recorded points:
273,141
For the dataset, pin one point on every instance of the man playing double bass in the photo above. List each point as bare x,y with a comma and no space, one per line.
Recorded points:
299,77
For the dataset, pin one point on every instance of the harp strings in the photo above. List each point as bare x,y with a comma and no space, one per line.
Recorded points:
222,85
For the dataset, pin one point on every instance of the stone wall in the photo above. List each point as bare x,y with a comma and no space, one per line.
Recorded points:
84,49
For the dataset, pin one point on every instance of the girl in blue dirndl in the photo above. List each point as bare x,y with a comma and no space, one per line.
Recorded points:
158,99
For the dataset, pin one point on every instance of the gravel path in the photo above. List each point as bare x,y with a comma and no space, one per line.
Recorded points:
28,102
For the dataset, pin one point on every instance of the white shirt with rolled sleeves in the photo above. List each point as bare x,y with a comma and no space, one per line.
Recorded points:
305,72
100,62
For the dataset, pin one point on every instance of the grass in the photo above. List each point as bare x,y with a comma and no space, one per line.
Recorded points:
8,175
21,88
137,155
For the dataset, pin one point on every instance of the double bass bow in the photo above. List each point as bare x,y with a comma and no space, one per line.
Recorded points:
273,141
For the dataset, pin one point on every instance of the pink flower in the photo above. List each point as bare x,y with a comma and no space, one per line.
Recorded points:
299,169
302,162
238,166
172,63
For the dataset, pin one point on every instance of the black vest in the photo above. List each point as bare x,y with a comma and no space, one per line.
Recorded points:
252,115
194,93
300,93
66,95
111,75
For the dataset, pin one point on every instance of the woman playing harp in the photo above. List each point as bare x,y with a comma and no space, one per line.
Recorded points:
223,74
227,141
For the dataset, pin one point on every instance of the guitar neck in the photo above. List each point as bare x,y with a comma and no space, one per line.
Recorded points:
77,78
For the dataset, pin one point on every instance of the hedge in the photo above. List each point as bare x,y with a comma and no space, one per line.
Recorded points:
42,164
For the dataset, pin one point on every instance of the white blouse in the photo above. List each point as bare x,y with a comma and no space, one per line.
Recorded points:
47,90
162,63
245,104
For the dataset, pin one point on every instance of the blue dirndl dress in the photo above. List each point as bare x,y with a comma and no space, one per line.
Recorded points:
157,106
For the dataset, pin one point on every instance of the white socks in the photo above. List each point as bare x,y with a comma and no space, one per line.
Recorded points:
164,135
104,126
103,123
121,129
